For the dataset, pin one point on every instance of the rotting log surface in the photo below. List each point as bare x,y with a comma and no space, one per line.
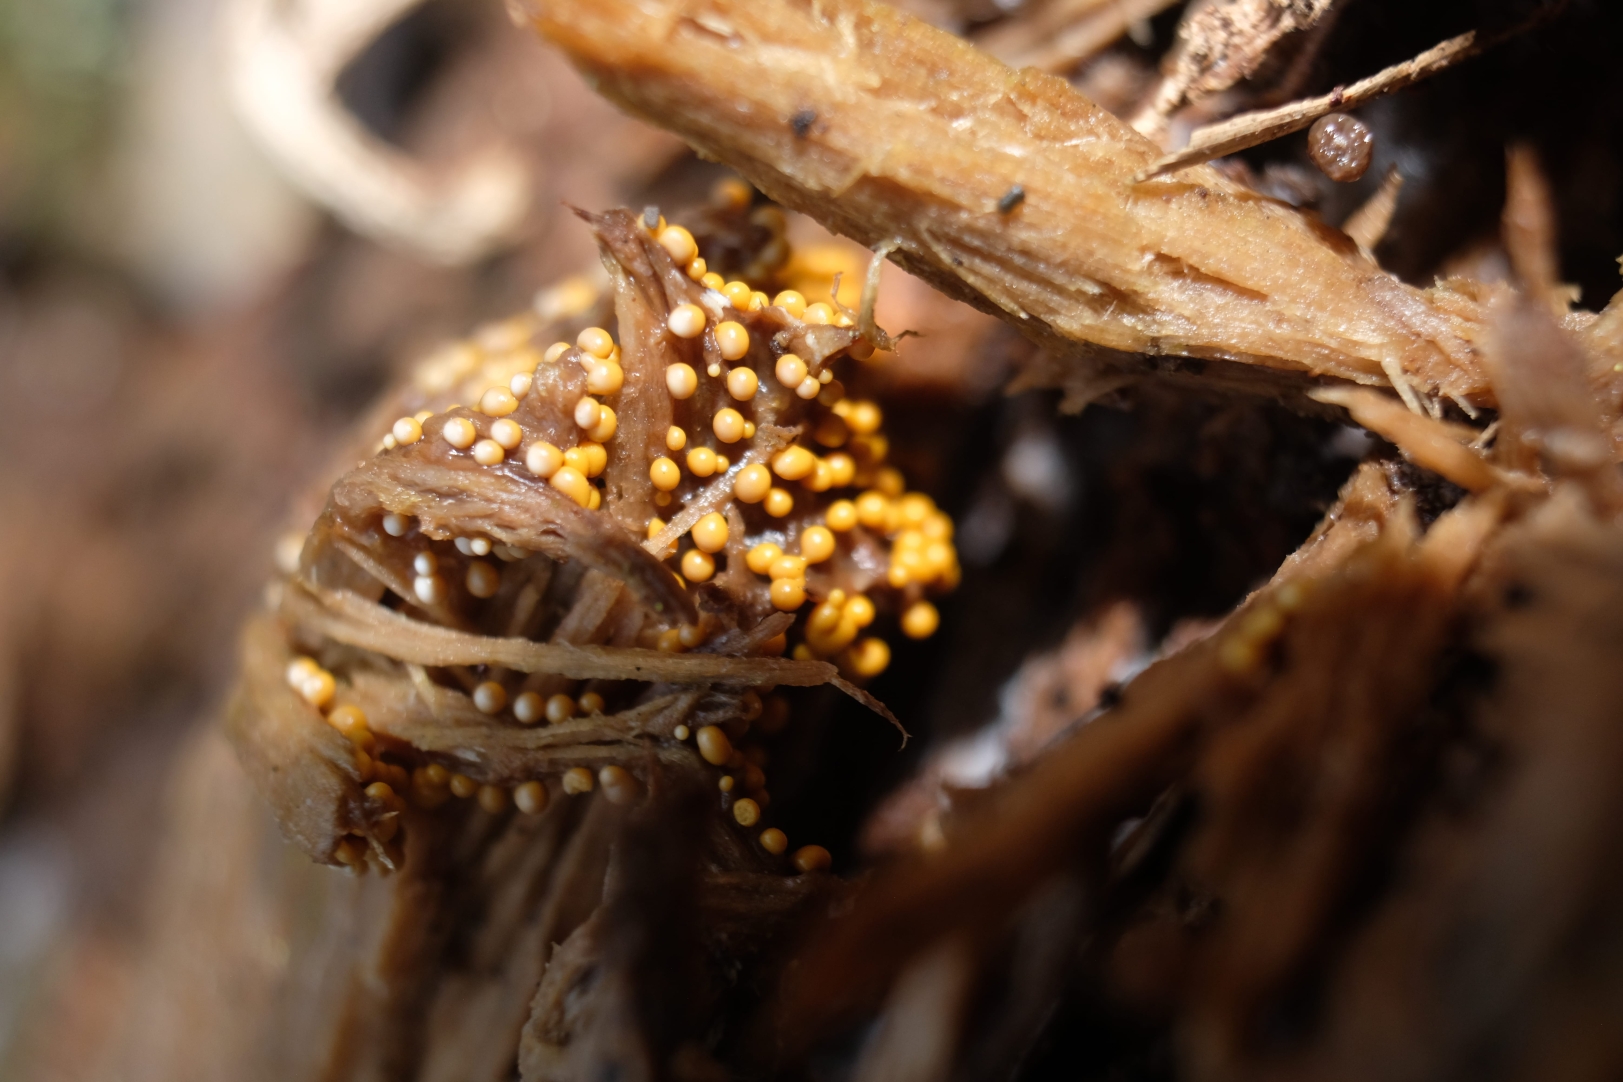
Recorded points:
888,130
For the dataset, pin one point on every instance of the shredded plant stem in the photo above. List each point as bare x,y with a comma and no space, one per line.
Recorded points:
1089,264
1223,43
1369,223
1310,741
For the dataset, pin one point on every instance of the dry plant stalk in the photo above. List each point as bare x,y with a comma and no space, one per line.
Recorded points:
1015,193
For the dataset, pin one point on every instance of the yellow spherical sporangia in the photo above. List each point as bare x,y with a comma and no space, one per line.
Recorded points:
817,544
732,340
794,463
698,566
752,483
702,461
728,425
742,383
679,243
714,747
761,557
596,341
788,594
665,474
791,302
710,533
681,381
779,503
920,620
573,483
686,321
543,459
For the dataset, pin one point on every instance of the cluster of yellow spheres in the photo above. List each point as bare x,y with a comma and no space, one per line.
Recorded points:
921,536
569,470
850,450
745,775
688,320
430,786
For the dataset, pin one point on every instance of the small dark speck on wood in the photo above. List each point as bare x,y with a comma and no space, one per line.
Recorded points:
802,121
1011,199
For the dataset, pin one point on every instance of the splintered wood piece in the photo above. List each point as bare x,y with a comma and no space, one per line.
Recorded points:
1253,129
890,131
1369,223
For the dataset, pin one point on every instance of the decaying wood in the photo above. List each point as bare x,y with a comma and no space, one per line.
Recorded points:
1227,840
1114,767
593,909
845,110
610,605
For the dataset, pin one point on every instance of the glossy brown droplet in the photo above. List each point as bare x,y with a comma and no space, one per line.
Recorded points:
1342,147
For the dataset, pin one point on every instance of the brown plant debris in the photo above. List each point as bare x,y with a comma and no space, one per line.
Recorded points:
1348,788
445,560
531,657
